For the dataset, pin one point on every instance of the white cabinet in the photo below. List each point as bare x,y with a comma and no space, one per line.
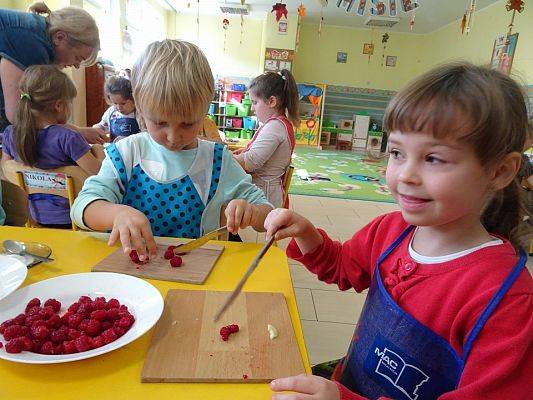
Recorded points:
360,131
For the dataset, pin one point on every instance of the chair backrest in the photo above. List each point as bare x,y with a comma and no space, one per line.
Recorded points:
66,181
287,178
15,204
210,131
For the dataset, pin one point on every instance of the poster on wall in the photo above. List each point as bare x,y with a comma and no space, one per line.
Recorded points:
390,61
282,27
503,53
278,59
368,48
342,57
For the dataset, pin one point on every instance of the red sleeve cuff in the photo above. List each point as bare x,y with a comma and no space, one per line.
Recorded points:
293,251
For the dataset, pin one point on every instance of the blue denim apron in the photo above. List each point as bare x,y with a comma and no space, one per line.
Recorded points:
123,126
173,208
394,355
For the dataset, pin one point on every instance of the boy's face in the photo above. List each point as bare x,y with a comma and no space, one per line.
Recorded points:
175,134
125,106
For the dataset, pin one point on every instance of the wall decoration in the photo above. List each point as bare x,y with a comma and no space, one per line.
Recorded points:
278,59
225,26
342,57
384,40
503,53
301,14
409,5
468,16
282,27
377,7
391,61
280,9
323,3
368,48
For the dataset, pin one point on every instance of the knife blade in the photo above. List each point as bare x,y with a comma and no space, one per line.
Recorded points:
243,280
193,244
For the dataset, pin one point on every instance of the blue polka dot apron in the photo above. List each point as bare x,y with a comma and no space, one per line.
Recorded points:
394,355
123,126
173,208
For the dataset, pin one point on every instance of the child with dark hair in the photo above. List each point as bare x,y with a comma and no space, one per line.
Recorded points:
275,102
119,119
449,309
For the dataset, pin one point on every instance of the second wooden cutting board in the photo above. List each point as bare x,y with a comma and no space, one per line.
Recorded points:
187,347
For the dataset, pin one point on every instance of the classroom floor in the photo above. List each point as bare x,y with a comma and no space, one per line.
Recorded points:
325,310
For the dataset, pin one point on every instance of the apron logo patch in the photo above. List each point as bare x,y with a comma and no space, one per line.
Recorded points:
389,365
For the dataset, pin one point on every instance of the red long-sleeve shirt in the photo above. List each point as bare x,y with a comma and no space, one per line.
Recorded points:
448,298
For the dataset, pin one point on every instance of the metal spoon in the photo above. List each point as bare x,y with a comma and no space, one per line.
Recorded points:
15,247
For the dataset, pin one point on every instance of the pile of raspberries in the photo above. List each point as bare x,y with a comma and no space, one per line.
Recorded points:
175,260
87,324
225,331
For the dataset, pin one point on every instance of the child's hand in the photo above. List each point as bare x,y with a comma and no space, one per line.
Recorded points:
133,229
240,214
307,387
283,223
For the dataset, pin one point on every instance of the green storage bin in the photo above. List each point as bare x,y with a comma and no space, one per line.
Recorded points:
232,134
246,134
231,109
243,109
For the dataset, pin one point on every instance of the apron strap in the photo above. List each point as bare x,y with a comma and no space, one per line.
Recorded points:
217,167
493,303
118,163
395,244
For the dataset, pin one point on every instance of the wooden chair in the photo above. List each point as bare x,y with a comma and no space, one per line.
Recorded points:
286,185
65,182
15,204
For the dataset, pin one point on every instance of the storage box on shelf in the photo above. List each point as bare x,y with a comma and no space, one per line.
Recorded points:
231,111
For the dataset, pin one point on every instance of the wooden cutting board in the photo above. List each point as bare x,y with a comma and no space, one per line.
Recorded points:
187,347
195,268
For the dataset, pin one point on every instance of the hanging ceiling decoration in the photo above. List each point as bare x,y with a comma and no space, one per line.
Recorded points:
280,9
323,3
384,8
466,22
301,14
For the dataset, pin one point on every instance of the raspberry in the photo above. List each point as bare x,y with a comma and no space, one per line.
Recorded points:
106,325
124,322
73,307
98,341
29,321
119,331
175,261
99,304
123,307
169,254
56,305
69,347
171,248
37,344
73,334
85,299
14,346
19,319
93,328
82,343
46,312
58,336
26,343
54,321
33,311
47,348
59,349
4,325
40,331
15,331
33,303
85,309
134,256
99,315
225,331
113,303
109,336
83,325
112,314
74,320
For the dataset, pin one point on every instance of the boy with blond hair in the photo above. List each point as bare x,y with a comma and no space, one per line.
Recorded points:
166,181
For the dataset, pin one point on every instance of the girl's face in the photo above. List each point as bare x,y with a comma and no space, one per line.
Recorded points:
264,109
125,106
175,134
437,182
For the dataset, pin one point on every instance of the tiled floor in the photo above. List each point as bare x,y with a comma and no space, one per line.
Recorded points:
328,315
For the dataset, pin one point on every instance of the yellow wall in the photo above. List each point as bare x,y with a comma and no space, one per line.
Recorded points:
238,59
316,59
447,43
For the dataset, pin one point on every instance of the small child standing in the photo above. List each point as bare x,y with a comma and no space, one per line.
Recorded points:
275,102
119,119
166,181
449,311
39,139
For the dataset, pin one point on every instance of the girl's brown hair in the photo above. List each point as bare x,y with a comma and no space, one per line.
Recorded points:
283,87
484,109
41,87
118,85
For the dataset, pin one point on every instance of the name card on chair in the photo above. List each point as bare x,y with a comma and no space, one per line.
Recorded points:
45,180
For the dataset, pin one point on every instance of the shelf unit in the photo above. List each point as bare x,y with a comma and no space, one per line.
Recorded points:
221,118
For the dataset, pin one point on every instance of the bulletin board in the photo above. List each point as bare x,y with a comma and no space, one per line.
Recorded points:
503,52
278,59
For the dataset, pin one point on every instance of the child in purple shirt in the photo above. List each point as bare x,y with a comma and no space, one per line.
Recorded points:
38,139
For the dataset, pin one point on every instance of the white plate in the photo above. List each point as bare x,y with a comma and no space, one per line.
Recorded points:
12,274
143,300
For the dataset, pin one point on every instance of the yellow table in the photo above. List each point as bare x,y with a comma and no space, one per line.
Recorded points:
116,375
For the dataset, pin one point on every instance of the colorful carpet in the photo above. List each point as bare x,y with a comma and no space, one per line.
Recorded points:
339,174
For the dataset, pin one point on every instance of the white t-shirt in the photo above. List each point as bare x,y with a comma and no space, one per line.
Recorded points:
112,113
